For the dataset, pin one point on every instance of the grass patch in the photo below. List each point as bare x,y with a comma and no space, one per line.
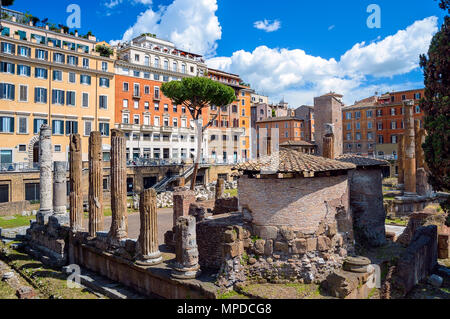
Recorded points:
388,198
50,283
18,221
231,295
6,292
107,212
232,192
397,222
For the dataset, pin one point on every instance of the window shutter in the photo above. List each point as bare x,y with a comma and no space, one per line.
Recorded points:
67,127
11,121
13,91
13,49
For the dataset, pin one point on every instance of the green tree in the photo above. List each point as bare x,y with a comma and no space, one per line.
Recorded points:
197,94
104,50
436,105
7,3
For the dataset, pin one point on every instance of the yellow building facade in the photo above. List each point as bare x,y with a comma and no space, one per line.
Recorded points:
50,77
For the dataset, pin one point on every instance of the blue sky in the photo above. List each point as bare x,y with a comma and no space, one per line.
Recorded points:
303,57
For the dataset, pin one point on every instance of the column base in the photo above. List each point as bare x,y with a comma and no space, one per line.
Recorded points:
186,273
60,210
42,216
150,260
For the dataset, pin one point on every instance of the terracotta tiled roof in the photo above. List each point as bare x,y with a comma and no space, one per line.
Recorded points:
361,161
290,161
296,143
280,118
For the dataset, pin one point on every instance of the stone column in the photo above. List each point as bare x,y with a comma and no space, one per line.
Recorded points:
186,263
410,148
328,146
119,224
148,246
60,188
46,174
401,159
220,188
419,140
95,184
76,192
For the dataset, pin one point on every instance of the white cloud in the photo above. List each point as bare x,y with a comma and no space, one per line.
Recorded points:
267,26
331,27
299,76
191,24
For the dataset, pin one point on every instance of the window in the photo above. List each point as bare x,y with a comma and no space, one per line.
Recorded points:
136,119
147,89
146,119
40,95
58,58
417,109
166,65
104,66
58,97
349,127
379,112
393,139
357,115
358,136
85,100
24,51
104,82
6,124
156,106
57,127
41,73
125,103
41,54
137,74
8,48
23,93
394,125
22,148
418,96
71,127
37,125
23,125
358,126
7,91
166,121
370,136
183,68
23,70
5,156
7,67
136,104
72,60
175,108
165,78
104,129
72,77
146,105
174,67
348,115
70,100
125,87
156,92
146,75
393,111
183,122
380,126
175,122
136,91
103,102
57,75
126,118
166,108
156,77
86,63
85,79
156,122
369,125
369,114
403,97
57,148
136,57
87,128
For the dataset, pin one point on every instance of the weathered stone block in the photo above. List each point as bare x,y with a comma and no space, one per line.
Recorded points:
266,232
287,233
281,246
323,243
232,250
332,230
260,246
268,248
229,236
300,246
311,244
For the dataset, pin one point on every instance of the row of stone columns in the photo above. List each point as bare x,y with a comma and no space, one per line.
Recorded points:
54,200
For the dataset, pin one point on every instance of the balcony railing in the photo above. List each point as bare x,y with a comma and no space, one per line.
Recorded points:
18,167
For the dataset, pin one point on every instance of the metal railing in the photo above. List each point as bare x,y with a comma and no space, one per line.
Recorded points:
18,167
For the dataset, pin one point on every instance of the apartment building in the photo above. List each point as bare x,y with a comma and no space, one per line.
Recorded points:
228,138
48,76
372,126
306,113
290,129
155,127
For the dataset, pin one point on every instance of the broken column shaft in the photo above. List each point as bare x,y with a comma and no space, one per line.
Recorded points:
119,224
76,193
60,188
328,146
95,184
186,264
149,253
46,171
410,149
220,188
401,159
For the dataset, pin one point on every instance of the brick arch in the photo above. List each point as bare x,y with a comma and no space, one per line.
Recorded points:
33,141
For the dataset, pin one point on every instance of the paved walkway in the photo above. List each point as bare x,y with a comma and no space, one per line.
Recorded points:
165,221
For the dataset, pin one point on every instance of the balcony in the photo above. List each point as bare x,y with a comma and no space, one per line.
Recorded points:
167,129
157,98
129,127
147,128
137,95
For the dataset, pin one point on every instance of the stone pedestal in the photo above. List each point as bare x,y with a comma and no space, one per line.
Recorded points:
119,225
95,184
186,265
410,149
220,188
76,193
46,173
182,200
60,188
148,246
